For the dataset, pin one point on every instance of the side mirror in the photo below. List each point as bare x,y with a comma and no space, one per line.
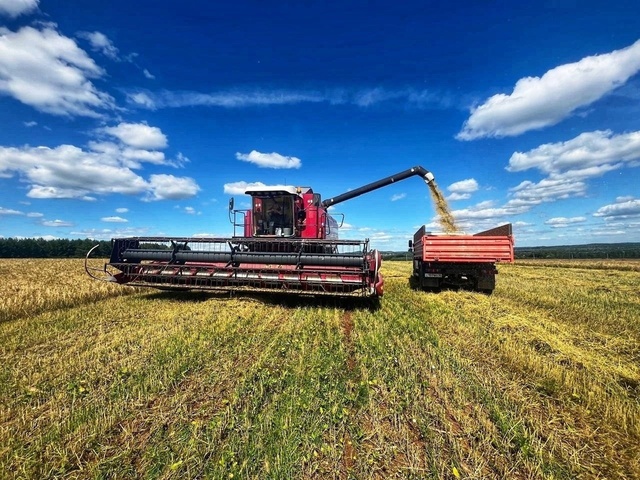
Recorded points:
316,199
410,245
231,204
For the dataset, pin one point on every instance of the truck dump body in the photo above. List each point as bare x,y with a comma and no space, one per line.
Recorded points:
461,260
463,248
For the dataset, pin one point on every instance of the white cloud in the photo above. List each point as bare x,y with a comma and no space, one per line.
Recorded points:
137,135
107,233
8,211
223,99
458,196
238,188
398,196
623,208
148,74
462,190
100,43
15,8
30,124
562,222
35,215
537,102
364,98
487,211
49,72
142,99
546,190
67,171
570,164
122,210
114,219
56,223
168,187
139,155
469,185
190,210
269,160
588,152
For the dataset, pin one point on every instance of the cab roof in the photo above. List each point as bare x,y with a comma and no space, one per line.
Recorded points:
276,190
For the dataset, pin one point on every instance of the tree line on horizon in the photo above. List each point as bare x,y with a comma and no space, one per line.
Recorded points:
57,248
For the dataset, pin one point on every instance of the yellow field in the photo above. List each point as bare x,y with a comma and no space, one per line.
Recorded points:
539,380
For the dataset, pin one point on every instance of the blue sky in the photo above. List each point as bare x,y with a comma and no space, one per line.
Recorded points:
143,118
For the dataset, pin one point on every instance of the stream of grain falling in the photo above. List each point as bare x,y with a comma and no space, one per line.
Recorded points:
444,215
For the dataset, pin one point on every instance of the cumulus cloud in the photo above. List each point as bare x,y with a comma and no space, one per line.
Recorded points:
108,233
238,188
142,99
269,160
114,219
122,210
469,185
589,150
546,190
569,165
487,211
169,187
458,196
562,222
538,102
48,71
100,43
8,211
68,171
462,190
56,223
137,135
623,208
15,8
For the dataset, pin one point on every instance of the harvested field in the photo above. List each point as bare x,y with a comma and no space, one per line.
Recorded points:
539,380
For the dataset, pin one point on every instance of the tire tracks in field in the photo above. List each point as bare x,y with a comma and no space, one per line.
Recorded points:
353,378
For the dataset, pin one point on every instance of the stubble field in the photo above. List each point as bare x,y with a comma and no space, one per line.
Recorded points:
539,380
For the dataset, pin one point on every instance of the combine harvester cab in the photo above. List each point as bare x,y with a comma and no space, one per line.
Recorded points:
460,260
287,243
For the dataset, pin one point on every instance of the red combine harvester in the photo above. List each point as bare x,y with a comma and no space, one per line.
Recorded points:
460,260
288,243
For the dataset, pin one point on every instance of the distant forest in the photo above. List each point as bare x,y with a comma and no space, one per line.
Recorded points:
591,250
59,248
63,248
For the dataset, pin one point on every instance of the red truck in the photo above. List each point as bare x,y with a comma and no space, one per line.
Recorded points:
460,260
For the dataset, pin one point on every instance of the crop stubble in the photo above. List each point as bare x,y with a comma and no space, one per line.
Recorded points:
539,380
